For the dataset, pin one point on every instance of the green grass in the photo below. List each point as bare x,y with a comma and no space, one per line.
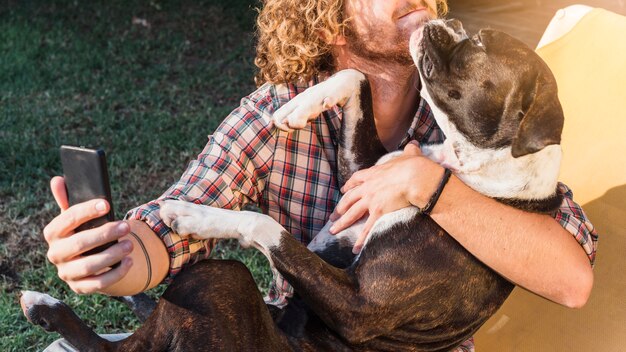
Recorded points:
82,73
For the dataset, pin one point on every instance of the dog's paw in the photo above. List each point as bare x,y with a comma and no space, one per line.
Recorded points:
196,220
42,309
205,222
309,104
305,107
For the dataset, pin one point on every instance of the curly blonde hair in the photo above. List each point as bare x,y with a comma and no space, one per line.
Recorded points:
291,34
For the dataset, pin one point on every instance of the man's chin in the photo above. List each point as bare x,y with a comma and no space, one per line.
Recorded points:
397,56
382,52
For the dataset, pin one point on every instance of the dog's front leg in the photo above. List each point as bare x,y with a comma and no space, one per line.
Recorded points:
360,145
205,222
327,290
341,89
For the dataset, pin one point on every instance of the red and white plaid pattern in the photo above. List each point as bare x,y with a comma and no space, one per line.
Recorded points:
290,176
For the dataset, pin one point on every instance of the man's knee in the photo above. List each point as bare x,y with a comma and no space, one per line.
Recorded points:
61,345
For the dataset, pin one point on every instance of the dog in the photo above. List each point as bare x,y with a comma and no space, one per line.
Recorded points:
412,286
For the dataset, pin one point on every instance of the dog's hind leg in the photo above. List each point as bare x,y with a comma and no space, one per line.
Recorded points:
54,315
213,305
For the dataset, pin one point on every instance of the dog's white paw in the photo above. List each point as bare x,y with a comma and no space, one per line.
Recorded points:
198,221
205,222
309,104
305,107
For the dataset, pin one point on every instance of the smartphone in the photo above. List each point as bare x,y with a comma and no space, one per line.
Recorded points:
86,177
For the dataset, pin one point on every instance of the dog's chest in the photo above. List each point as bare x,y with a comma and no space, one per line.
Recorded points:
532,176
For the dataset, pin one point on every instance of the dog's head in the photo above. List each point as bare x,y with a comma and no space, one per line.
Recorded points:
491,87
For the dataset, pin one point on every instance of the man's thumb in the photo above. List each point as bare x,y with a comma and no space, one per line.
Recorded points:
413,148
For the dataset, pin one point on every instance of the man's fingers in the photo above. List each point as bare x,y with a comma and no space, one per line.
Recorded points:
70,247
358,245
94,264
413,149
355,180
66,222
346,202
59,192
368,226
96,283
354,213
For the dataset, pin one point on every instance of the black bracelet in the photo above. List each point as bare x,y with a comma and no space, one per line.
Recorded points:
435,197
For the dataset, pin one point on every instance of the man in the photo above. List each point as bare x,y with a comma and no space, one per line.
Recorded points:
292,177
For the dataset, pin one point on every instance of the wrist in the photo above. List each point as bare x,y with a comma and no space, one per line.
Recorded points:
424,183
428,208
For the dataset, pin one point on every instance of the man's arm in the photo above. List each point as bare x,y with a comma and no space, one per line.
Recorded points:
228,173
531,250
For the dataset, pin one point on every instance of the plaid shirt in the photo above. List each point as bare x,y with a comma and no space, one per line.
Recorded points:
290,176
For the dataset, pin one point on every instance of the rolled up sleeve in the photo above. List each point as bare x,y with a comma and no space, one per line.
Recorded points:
572,217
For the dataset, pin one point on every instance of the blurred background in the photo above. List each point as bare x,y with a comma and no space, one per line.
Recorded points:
525,19
148,81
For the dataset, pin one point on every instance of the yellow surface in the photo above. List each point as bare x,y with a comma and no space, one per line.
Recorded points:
589,64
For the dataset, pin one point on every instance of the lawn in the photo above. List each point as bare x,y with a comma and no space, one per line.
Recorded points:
145,80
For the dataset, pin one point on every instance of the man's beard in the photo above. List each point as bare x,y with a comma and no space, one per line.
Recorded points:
395,50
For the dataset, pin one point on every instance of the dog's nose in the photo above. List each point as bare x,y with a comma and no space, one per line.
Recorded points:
456,25
457,28
438,35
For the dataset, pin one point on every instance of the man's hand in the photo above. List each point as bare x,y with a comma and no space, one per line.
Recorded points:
409,179
85,274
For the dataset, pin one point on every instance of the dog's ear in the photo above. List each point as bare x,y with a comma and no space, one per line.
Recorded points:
542,123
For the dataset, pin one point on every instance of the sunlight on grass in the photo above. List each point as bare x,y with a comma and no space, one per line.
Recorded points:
83,73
